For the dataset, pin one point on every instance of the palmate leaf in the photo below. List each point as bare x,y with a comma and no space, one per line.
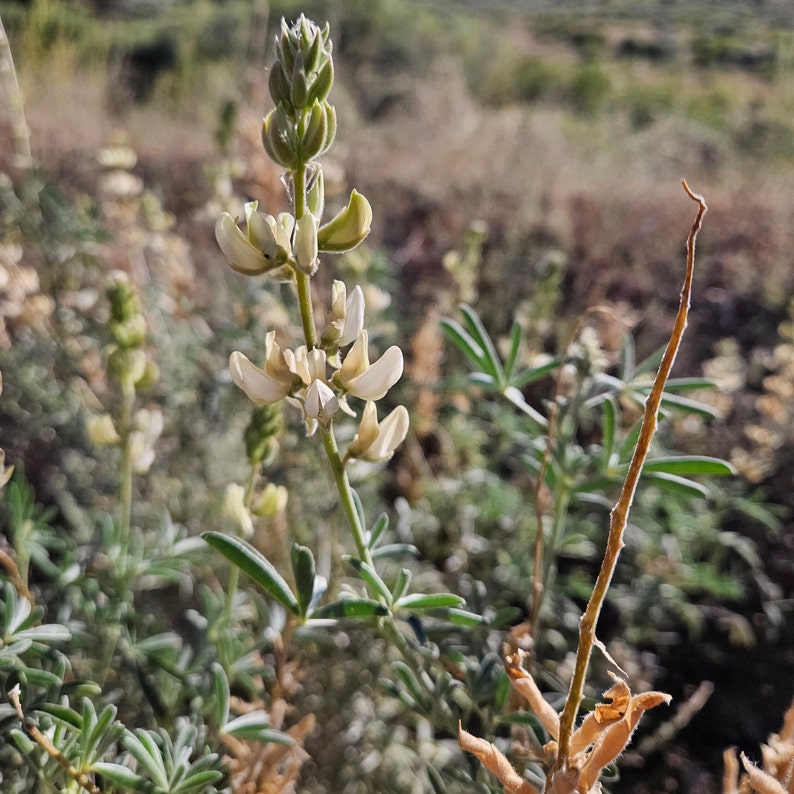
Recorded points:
256,565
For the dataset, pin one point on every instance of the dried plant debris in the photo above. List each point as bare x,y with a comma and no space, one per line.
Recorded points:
776,774
599,740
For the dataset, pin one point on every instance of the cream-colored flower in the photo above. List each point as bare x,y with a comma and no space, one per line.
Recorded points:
268,385
376,442
306,244
236,511
320,402
369,381
148,425
263,247
347,316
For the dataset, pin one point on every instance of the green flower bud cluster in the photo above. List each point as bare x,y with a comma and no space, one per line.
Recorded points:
126,357
302,125
261,440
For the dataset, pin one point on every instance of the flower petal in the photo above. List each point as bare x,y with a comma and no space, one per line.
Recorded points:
354,317
320,403
260,387
379,377
243,257
391,433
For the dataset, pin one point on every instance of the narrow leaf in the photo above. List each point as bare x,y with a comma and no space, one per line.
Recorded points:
610,422
490,360
673,482
514,396
463,341
420,601
461,617
256,565
378,528
402,584
122,777
351,608
689,464
63,714
372,578
534,373
395,550
304,570
516,335
220,686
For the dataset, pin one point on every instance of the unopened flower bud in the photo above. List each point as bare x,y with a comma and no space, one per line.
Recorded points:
313,140
278,137
261,434
278,84
348,228
315,195
321,85
306,244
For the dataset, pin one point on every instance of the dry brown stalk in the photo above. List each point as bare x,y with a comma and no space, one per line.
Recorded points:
31,729
580,756
619,515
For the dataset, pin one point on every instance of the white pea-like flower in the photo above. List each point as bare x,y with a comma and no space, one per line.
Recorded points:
320,402
369,381
262,247
268,385
377,441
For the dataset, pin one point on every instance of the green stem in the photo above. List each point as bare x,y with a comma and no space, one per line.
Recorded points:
125,486
303,282
329,440
346,494
234,574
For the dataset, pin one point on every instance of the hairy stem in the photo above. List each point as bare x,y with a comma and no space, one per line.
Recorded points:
619,514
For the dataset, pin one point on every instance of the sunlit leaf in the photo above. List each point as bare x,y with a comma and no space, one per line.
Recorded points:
419,601
252,562
689,464
463,341
672,482
372,578
378,528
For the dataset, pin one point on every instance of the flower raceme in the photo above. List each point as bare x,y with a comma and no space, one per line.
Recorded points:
302,377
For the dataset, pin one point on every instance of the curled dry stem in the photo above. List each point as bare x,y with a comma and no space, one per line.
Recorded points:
619,515
32,730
